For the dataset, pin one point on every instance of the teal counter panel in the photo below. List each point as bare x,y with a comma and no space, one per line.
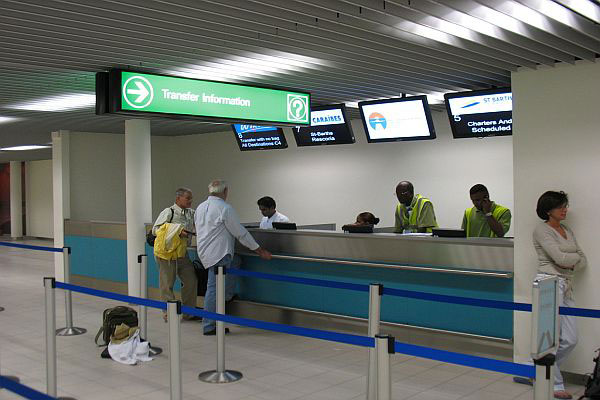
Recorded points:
106,259
459,318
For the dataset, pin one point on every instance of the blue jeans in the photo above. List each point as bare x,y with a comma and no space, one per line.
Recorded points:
210,298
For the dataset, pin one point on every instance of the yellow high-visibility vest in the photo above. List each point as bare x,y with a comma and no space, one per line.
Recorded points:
498,211
410,222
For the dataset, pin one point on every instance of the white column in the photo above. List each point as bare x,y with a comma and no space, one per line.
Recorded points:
16,200
61,195
138,193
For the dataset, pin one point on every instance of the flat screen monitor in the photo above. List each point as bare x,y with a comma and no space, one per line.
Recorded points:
397,119
480,113
328,125
256,137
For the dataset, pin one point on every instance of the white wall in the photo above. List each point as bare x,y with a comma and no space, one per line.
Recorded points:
97,166
310,184
335,183
38,198
556,143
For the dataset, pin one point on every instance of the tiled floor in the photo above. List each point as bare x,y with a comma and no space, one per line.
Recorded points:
275,366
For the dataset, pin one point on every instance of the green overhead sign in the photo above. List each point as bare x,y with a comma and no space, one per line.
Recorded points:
142,93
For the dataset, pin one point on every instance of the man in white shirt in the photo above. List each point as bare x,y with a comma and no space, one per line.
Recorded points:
267,205
178,213
217,227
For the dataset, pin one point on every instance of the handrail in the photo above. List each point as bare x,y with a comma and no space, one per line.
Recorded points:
503,275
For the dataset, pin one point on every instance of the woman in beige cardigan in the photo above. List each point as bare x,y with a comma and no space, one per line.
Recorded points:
559,254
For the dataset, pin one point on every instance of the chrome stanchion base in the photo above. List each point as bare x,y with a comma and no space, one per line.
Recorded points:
154,351
70,331
220,377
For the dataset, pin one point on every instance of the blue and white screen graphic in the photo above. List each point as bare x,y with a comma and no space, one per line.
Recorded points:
327,126
480,115
396,120
257,137
243,128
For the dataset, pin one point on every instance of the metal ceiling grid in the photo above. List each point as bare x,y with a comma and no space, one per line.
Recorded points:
340,50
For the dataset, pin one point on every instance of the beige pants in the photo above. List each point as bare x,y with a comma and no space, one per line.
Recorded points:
183,268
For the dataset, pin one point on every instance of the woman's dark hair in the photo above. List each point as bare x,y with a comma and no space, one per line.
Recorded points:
549,201
368,218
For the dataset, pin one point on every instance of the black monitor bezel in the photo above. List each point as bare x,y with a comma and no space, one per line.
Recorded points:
279,130
422,98
342,107
470,93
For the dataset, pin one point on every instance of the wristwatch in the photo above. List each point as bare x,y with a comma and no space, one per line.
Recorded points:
488,214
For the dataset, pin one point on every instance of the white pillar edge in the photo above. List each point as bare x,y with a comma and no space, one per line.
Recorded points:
61,195
138,195
16,200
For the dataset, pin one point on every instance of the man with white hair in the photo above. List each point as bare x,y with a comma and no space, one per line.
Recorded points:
217,227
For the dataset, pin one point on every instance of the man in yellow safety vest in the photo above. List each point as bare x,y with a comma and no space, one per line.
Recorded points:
485,218
414,213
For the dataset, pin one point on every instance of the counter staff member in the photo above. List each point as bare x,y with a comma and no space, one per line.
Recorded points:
178,213
414,213
217,227
486,218
267,205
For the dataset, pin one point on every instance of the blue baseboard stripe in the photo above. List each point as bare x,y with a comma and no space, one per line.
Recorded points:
466,360
22,390
31,247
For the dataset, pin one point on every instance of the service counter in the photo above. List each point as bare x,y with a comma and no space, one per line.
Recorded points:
478,268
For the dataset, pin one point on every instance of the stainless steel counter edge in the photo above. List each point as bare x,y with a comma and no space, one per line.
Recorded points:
495,242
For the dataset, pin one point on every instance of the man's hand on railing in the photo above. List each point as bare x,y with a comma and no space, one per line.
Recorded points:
263,253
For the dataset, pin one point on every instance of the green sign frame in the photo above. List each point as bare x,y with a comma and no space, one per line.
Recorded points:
147,94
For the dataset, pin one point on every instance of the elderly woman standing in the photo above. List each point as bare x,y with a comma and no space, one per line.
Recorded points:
559,254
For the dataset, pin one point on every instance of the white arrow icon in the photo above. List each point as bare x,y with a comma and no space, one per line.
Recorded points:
141,91
140,97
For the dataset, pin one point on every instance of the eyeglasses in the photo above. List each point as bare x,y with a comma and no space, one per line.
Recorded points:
402,194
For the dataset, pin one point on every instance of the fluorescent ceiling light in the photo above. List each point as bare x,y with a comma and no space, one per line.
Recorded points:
249,66
6,120
23,148
65,102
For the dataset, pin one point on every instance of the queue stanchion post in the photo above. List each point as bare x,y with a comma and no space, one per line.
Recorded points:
375,293
69,330
50,302
143,310
545,333
220,375
384,346
174,312
50,287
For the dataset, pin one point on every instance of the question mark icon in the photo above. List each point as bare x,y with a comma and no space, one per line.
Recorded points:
298,106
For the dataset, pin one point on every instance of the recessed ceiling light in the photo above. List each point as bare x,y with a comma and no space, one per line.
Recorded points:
65,102
6,120
23,148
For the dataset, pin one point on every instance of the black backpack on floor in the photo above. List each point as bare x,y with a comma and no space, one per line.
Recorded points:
113,317
592,386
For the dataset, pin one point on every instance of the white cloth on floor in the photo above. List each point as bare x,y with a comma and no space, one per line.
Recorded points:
130,351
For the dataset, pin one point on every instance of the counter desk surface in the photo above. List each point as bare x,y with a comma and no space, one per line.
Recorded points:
389,250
